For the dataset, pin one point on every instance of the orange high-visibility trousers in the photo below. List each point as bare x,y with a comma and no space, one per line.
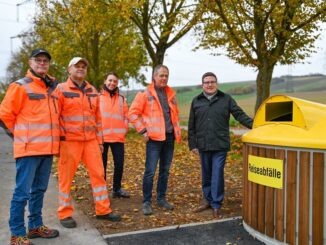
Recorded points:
71,153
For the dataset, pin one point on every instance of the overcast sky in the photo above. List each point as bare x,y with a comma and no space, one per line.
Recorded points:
186,66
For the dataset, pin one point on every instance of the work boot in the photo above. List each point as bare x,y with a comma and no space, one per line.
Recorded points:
20,240
164,204
68,222
216,213
43,232
203,206
120,193
111,217
147,208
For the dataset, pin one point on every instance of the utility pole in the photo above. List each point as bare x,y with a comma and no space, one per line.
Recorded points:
17,18
324,65
17,7
289,80
11,41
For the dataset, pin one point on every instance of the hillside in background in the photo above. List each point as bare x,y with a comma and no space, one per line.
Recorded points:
309,87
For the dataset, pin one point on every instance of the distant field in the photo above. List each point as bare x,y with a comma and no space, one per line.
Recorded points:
317,96
311,88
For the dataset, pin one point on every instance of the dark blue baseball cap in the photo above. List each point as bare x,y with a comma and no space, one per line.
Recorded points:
39,51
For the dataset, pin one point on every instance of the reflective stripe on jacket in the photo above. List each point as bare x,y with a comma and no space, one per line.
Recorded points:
79,109
29,114
146,113
114,111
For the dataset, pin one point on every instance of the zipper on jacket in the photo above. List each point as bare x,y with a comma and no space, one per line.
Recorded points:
55,107
52,143
83,116
90,102
112,102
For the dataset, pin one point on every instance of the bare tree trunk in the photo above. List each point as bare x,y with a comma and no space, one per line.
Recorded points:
159,57
263,82
96,59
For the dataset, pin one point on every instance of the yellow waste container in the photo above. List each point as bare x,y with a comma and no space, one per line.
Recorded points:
284,171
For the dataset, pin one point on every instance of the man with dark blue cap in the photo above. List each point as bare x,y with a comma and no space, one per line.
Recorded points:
29,115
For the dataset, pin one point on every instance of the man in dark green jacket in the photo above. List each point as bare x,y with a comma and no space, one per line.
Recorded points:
208,130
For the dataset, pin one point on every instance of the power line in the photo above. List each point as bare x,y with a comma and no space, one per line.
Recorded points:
9,4
13,21
6,52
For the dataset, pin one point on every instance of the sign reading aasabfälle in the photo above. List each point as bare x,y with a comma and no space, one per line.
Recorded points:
265,171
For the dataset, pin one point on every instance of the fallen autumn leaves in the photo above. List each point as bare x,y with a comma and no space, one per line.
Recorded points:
184,189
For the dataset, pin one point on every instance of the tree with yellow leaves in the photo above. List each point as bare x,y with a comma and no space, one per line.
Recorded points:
263,33
94,30
160,23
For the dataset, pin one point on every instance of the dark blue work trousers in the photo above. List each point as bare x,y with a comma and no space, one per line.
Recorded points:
32,178
161,151
212,165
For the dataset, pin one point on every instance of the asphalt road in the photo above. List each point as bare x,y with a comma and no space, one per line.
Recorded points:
226,232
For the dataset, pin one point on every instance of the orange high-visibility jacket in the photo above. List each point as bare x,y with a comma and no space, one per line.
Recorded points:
146,113
79,110
114,111
29,114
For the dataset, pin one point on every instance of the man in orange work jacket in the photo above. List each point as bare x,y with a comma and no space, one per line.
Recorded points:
154,113
29,116
114,111
80,139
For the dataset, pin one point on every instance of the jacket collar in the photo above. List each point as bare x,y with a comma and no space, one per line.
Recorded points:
169,91
110,92
38,80
86,88
216,96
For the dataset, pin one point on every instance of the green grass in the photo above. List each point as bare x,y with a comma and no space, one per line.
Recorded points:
311,88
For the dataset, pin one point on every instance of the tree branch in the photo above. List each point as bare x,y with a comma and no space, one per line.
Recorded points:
309,20
231,31
246,37
268,13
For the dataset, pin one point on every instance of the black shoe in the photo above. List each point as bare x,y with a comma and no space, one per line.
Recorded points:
147,208
111,217
164,204
68,222
120,193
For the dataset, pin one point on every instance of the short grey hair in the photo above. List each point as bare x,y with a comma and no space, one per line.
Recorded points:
158,67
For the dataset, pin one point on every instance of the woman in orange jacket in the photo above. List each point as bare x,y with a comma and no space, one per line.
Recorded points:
114,111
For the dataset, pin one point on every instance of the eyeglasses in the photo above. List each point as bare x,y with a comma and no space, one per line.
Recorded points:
40,61
209,82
